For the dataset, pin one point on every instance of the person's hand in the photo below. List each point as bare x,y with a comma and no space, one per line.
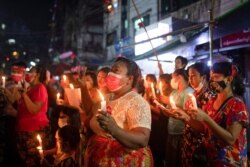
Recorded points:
106,122
60,102
180,114
10,110
159,66
164,99
198,114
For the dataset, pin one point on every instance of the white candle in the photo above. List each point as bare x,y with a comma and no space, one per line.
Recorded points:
103,102
71,86
160,88
193,99
160,105
153,90
64,78
40,147
3,81
172,103
58,96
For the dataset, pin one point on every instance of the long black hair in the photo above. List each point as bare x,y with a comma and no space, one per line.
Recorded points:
41,70
228,69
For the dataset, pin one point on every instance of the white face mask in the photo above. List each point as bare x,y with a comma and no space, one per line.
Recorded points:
199,87
62,122
174,84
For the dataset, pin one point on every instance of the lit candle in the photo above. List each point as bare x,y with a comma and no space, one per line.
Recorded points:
172,103
40,147
71,86
153,90
3,81
193,99
103,102
64,78
58,96
160,88
160,105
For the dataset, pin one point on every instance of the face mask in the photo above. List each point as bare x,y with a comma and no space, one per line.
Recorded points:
199,87
62,122
174,84
28,77
16,77
217,86
114,82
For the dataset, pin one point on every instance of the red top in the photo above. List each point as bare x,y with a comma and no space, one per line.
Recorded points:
32,122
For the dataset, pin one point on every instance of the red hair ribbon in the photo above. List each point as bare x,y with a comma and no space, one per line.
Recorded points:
234,70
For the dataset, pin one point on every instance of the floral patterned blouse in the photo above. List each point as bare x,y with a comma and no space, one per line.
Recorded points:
192,138
219,152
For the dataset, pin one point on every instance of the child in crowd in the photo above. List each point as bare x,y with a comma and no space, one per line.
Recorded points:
67,115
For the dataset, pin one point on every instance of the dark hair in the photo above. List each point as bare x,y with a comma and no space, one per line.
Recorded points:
152,77
166,77
106,70
20,64
72,112
181,72
41,70
93,77
201,68
184,60
133,69
228,69
140,87
70,138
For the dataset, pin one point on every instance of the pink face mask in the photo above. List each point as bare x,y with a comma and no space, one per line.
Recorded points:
16,77
114,82
28,77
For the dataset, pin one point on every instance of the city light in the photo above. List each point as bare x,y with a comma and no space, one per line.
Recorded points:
32,63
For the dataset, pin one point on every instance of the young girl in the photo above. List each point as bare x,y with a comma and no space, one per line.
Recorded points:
68,139
67,115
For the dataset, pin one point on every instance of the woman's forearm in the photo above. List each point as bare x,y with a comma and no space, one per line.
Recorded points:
134,139
33,108
229,136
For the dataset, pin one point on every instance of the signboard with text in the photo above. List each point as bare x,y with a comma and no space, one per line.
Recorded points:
238,38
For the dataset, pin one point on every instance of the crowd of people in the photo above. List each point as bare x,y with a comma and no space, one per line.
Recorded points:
114,116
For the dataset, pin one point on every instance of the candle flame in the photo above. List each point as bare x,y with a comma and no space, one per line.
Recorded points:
152,85
3,77
39,138
172,103
58,95
64,77
160,88
39,147
100,94
71,86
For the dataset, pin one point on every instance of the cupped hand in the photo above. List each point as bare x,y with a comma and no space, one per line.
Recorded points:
180,114
106,122
198,114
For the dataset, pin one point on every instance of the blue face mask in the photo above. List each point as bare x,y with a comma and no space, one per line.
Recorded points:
217,86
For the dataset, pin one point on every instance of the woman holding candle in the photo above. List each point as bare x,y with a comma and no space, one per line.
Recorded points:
179,82
31,117
121,138
198,78
155,141
225,119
